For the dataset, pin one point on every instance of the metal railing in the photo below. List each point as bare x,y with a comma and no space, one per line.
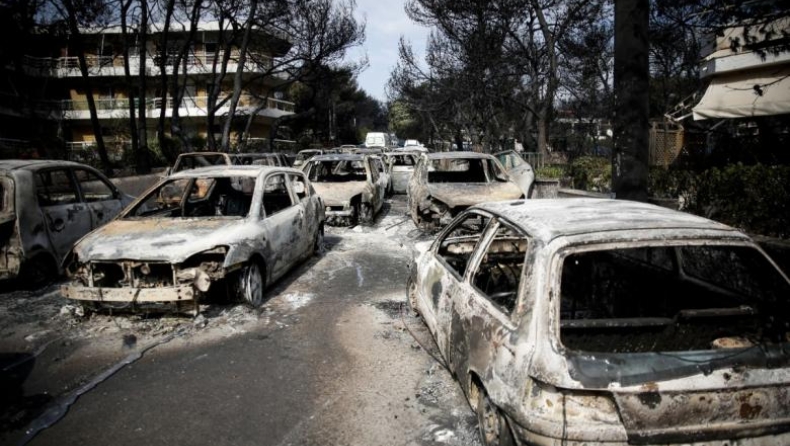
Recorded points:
199,59
535,159
200,102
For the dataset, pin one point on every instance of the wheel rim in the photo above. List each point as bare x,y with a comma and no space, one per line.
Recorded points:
411,295
319,241
489,420
253,285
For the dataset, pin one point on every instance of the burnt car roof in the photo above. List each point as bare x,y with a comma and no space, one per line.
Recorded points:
340,157
36,164
232,170
458,155
547,219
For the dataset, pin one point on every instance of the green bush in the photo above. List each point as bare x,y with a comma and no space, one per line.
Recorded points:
591,173
550,172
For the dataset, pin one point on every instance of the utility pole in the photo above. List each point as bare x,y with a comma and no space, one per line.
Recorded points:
631,121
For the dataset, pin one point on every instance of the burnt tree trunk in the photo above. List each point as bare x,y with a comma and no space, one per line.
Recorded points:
631,78
143,166
87,85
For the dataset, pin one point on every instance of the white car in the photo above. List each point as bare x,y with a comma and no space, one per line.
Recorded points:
608,322
351,185
248,225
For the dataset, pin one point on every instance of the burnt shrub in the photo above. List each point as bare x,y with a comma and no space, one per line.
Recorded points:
755,198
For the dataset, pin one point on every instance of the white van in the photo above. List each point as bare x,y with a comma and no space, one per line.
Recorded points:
378,139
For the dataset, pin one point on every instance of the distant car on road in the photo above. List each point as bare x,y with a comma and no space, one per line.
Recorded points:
608,322
245,225
445,183
45,206
351,186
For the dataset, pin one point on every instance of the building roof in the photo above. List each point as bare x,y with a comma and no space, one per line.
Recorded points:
547,219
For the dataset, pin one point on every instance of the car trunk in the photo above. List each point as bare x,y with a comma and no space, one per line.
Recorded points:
687,415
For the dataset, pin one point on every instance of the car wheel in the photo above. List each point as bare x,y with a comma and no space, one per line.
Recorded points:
365,213
411,298
318,241
249,285
494,430
38,272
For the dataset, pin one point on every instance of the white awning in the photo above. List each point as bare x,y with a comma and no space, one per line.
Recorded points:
748,93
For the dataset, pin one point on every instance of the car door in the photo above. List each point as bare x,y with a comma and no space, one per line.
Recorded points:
67,218
375,182
489,292
441,275
281,222
99,195
308,213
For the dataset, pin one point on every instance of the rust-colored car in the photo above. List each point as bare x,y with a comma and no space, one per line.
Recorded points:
608,322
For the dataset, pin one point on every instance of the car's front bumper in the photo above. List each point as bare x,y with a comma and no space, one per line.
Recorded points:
180,293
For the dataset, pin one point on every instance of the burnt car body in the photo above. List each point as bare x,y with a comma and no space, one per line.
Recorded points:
45,206
583,321
351,186
444,184
519,170
195,160
259,159
248,224
401,165
304,155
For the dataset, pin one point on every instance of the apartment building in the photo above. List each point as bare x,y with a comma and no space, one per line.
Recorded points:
43,97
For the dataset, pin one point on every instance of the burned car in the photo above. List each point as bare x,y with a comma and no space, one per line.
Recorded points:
259,159
45,206
444,184
247,225
195,160
519,170
583,321
401,166
304,155
351,186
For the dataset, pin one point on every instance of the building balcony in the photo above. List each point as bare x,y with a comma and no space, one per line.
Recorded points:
194,63
190,107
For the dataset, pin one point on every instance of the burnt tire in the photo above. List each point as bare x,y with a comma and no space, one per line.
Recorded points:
38,272
248,286
318,241
411,298
494,430
365,213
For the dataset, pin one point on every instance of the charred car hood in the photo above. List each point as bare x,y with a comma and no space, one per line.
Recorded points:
468,194
168,240
338,194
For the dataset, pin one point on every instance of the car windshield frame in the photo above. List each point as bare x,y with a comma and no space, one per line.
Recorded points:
312,175
487,170
593,369
242,186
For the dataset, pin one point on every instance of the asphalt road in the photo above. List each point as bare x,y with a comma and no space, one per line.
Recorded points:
328,361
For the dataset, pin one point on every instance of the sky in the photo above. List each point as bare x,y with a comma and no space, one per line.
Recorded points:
386,21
